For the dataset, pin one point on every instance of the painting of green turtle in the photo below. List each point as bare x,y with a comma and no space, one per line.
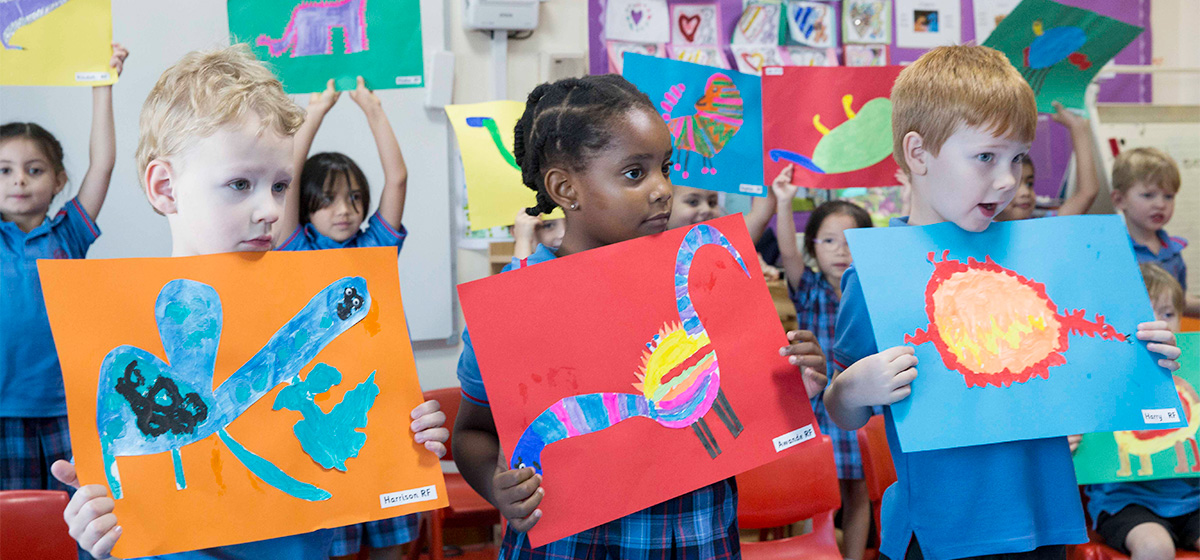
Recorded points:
862,140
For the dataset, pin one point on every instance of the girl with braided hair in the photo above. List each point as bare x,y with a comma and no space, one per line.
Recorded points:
596,147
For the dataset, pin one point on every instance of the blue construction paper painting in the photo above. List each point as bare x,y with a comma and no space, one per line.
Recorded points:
715,118
1023,331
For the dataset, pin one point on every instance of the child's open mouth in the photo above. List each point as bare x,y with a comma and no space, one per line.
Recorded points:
988,209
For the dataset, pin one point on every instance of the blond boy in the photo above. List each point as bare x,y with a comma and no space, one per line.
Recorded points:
1144,184
215,150
962,122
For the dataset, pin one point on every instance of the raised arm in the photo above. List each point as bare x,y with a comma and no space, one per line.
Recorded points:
102,148
1087,184
319,105
395,173
785,227
761,209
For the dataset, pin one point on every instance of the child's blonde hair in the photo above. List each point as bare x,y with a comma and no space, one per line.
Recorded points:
1151,166
208,89
1159,282
949,86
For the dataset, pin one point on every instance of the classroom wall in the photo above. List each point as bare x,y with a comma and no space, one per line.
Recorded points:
562,28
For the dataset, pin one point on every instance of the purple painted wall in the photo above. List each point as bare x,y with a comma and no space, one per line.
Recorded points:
1052,148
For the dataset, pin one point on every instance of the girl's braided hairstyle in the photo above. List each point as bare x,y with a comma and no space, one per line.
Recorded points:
565,123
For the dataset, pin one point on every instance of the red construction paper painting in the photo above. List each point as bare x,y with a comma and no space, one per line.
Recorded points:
833,123
603,375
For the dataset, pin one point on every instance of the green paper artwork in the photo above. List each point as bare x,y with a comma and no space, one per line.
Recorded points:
307,42
1150,454
1059,49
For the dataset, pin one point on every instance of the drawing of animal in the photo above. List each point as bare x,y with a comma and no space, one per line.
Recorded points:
717,119
15,14
679,379
991,344
1146,443
146,405
1049,47
863,140
310,30
489,124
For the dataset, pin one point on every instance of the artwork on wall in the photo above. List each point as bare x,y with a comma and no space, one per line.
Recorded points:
813,24
694,25
866,55
637,21
809,56
867,21
617,50
759,25
925,24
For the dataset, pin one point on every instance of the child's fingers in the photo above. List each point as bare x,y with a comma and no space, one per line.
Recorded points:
903,379
1153,326
86,512
801,336
894,352
96,532
1168,351
903,362
1169,365
427,407
898,395
434,435
524,524
509,479
65,473
103,547
428,422
81,498
1156,335
437,448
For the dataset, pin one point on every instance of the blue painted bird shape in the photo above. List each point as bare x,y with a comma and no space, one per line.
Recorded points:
146,405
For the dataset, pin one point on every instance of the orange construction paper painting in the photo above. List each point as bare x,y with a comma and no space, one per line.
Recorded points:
239,397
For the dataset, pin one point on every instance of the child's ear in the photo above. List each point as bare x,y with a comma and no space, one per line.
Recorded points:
159,188
913,148
561,188
1118,199
62,182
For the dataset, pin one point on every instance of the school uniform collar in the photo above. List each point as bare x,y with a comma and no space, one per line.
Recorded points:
15,232
1171,245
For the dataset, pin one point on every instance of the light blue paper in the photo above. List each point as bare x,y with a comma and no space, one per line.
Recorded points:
715,117
1085,263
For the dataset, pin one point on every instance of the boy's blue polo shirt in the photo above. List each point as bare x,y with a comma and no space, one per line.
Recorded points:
1170,256
31,383
468,368
1166,498
968,501
377,234
306,546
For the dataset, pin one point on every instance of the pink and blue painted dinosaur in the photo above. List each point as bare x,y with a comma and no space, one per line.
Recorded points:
310,30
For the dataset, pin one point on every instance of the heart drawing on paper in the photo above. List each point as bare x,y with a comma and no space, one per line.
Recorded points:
688,26
755,60
636,15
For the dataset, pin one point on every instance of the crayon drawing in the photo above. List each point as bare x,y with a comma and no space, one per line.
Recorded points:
310,29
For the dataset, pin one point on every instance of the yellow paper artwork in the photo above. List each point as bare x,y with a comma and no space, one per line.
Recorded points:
56,43
495,192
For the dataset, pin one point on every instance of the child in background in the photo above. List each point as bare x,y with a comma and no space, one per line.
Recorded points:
962,122
33,406
531,231
692,206
216,158
332,199
816,292
1149,519
596,147
1087,183
334,196
1144,184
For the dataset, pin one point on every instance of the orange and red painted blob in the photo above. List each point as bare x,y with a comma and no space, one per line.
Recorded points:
996,327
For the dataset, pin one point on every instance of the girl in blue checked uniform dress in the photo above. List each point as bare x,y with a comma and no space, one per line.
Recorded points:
332,201
596,147
816,293
33,406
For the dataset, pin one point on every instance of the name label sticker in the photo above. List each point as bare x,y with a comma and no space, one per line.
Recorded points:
403,497
408,80
91,76
750,189
1160,415
794,438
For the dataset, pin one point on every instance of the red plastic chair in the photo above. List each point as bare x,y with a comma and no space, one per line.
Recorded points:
467,508
1096,549
878,468
799,486
32,526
